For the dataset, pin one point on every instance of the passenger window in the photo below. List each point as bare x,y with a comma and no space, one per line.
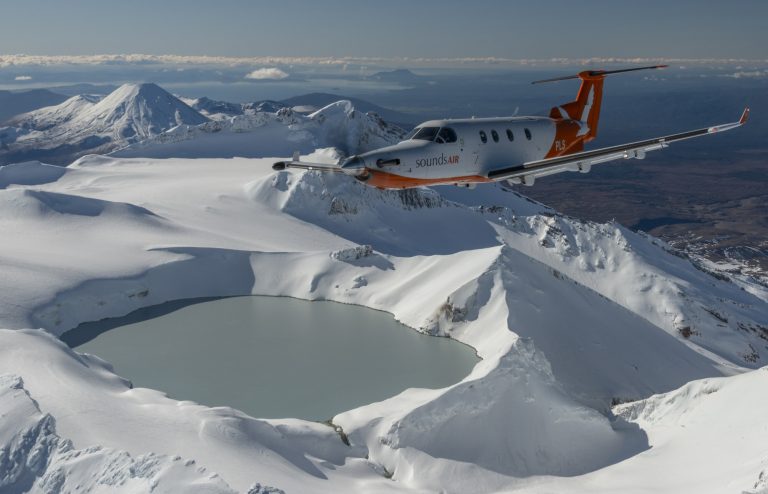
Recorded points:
528,134
495,136
510,135
483,137
446,135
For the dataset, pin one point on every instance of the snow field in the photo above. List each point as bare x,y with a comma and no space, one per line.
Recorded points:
566,315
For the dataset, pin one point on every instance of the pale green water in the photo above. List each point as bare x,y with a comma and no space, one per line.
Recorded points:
273,356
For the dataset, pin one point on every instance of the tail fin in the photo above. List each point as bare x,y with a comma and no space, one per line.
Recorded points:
585,109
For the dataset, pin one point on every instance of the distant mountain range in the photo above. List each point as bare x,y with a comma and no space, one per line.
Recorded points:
305,103
218,110
319,100
87,124
136,117
13,103
402,76
253,131
43,125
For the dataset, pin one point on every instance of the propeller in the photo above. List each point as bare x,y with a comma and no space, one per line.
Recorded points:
354,166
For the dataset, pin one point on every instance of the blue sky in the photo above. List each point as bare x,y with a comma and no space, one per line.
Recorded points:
392,28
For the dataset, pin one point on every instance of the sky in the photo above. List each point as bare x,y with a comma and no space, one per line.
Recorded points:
391,28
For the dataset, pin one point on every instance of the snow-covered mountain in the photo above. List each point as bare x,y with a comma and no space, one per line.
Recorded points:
610,362
258,134
320,100
86,124
145,120
305,103
569,317
220,110
37,459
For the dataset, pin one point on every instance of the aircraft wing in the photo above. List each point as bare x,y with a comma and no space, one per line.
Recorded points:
584,160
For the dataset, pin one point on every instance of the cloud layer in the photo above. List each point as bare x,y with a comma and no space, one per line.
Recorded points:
267,73
142,59
749,74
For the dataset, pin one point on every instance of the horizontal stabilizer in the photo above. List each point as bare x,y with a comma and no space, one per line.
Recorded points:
596,73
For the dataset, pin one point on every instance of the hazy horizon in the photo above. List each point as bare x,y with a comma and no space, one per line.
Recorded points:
432,29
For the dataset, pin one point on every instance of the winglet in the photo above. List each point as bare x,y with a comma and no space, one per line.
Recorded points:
744,116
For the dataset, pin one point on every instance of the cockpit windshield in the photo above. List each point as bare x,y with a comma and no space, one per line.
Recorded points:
436,134
424,133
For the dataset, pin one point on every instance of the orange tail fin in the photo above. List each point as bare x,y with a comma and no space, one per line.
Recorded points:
585,109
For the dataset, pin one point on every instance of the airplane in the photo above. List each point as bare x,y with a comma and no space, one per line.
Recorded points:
517,150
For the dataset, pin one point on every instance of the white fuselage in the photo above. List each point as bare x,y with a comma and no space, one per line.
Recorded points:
467,151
